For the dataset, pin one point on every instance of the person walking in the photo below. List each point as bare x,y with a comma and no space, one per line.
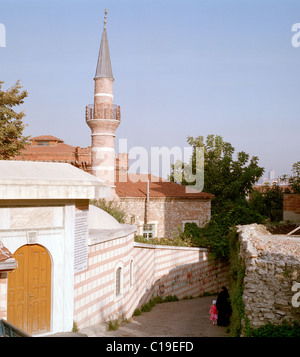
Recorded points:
213,312
223,307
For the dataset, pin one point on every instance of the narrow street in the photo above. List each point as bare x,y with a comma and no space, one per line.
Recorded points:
185,318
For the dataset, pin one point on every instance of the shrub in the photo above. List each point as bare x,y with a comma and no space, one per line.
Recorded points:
113,325
178,241
214,236
137,312
111,207
236,284
171,298
156,300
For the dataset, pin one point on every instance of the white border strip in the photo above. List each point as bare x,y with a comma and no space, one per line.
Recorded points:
104,95
98,168
104,148
103,134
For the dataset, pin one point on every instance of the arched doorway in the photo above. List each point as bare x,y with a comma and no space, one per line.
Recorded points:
29,290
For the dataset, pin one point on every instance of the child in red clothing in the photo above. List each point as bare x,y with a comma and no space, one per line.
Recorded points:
213,312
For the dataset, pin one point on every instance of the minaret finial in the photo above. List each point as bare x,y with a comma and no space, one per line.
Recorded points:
105,17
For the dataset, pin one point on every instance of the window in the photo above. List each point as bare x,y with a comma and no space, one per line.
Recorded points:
119,272
118,281
43,143
148,231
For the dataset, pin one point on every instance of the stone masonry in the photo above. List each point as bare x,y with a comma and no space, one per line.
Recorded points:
272,275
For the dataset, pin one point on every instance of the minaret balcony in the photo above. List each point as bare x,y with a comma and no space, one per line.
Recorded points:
103,111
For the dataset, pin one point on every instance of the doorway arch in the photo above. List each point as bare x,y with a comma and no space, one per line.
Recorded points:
29,290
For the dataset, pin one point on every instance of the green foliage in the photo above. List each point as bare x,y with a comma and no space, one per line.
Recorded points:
236,282
229,179
294,180
268,202
156,300
177,240
75,328
271,330
113,325
170,298
148,306
11,124
112,207
214,236
137,312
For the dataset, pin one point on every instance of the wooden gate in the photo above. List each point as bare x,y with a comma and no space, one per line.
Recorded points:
29,290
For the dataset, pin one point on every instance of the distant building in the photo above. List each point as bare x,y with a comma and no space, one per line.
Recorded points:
51,149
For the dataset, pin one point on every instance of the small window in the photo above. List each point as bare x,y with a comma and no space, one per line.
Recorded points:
43,143
118,281
148,231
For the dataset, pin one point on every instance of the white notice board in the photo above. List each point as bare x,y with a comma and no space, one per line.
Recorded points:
81,241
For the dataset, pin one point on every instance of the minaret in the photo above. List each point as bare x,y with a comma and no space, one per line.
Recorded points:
103,117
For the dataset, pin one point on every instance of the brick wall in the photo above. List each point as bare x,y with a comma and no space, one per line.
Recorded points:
169,213
291,207
179,210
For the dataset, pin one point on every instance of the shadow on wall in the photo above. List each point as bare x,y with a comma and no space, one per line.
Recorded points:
188,280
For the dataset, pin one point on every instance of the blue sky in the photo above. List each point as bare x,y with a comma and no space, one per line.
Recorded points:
181,67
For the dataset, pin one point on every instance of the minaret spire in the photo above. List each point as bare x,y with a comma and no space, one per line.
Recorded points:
103,117
105,17
104,64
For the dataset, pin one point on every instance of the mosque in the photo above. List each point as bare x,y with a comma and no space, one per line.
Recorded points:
64,261
157,207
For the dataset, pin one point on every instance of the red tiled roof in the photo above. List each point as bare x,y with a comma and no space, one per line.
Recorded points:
4,253
136,186
46,138
59,148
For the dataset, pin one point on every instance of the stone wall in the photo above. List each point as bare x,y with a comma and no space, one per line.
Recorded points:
272,265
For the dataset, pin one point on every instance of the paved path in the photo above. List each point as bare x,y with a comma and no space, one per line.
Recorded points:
184,318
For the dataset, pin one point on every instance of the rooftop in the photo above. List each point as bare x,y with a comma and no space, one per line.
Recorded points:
136,186
103,227
46,138
47,180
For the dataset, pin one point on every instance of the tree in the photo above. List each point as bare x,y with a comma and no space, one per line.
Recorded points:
268,201
11,124
230,180
294,181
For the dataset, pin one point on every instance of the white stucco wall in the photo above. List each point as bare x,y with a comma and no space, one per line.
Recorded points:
58,239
